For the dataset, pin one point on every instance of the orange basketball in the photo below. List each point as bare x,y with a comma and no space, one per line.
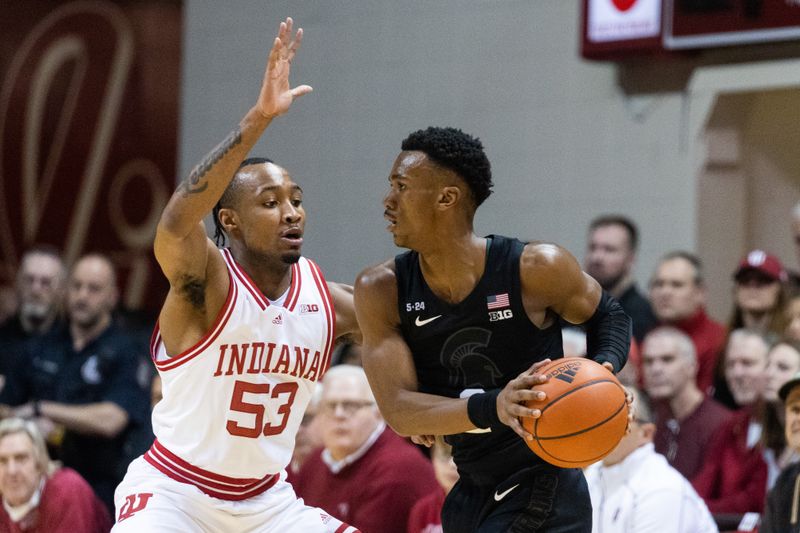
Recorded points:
583,417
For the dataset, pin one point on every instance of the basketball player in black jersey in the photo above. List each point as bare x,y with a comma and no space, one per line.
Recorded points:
456,329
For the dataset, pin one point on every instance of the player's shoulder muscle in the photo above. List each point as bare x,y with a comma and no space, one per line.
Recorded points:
375,293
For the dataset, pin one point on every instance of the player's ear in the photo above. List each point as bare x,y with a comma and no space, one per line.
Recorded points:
449,196
229,220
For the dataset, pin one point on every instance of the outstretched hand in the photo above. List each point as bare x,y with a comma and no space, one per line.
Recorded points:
511,400
276,95
628,399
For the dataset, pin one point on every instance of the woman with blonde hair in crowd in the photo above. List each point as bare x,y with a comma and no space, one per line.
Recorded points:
783,362
39,496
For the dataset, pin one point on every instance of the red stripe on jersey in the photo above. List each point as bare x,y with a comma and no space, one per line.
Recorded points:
189,467
226,488
155,338
330,315
294,290
214,332
239,272
345,528
268,483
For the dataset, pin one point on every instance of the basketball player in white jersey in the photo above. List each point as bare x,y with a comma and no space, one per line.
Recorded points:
243,336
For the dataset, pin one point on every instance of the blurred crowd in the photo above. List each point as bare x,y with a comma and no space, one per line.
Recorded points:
714,444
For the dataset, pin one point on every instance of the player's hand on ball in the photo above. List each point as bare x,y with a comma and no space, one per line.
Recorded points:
628,398
511,400
423,440
631,410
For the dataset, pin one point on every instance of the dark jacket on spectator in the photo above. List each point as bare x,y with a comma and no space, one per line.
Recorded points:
782,514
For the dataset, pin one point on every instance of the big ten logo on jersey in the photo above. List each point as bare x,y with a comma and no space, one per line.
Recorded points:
503,314
415,306
133,504
309,308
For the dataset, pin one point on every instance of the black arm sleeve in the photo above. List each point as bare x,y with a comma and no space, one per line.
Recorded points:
608,333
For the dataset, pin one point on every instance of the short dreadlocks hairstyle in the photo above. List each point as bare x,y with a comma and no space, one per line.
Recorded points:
459,152
229,196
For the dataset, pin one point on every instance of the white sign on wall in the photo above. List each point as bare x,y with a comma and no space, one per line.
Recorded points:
620,20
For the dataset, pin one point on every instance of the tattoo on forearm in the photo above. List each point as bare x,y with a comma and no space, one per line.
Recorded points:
192,184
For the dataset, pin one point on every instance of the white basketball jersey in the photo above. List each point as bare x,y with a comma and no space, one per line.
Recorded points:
232,404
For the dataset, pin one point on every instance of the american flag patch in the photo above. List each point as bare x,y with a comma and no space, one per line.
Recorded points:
496,301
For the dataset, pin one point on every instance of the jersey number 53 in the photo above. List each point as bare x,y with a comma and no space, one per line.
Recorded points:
283,391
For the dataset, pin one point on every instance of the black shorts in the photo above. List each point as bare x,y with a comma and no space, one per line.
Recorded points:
539,499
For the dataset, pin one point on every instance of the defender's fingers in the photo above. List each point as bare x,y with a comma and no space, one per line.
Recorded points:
283,29
301,90
274,53
293,46
298,40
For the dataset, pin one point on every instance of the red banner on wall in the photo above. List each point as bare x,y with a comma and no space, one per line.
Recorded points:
89,94
710,23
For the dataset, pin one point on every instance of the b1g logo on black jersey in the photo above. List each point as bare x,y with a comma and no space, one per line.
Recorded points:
503,314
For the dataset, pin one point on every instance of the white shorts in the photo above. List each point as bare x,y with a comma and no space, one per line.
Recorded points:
147,500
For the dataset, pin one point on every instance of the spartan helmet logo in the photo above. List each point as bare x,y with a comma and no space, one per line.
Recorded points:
468,367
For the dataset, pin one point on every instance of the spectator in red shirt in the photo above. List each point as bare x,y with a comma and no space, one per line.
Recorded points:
686,419
365,474
733,479
678,294
38,496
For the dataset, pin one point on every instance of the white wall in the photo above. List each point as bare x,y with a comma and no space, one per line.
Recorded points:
565,141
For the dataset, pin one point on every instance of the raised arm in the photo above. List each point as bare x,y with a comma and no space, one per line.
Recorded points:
552,279
390,366
189,260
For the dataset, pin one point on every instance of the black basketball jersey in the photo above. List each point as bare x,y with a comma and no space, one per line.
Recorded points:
482,342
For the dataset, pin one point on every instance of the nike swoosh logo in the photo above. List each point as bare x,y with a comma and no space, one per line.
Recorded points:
419,322
500,496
